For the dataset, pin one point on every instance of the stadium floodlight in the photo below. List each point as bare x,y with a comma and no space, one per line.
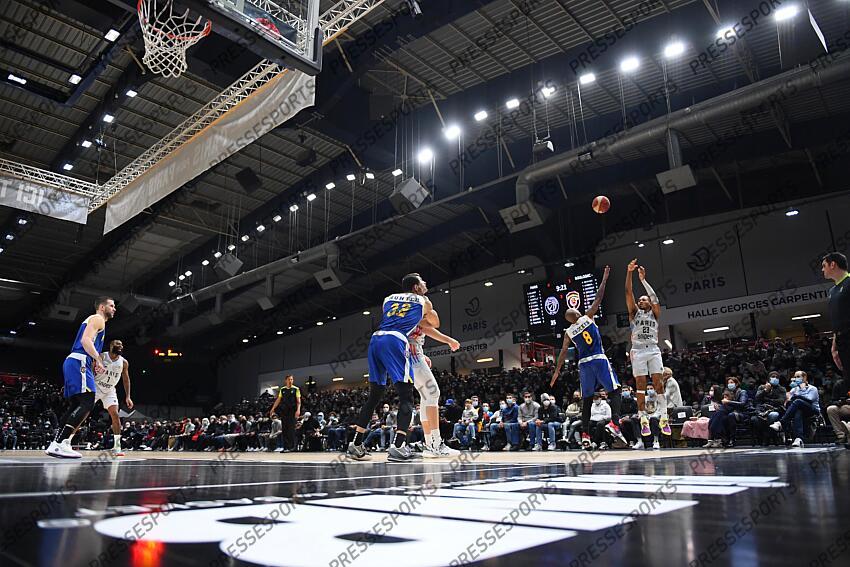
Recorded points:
674,49
480,115
724,31
351,177
547,91
68,167
786,12
425,155
512,103
75,79
112,35
293,208
205,262
261,227
452,132
397,172
277,218
330,185
85,144
311,197
629,64
587,78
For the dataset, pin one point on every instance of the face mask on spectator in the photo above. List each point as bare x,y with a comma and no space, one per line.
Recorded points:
546,403
627,394
650,393
475,403
731,386
774,381
510,401
486,407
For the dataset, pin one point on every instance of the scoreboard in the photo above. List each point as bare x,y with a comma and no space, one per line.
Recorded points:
546,302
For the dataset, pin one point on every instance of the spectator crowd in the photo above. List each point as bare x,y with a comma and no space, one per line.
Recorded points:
769,391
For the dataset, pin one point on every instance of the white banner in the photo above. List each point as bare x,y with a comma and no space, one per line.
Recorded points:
267,108
762,303
43,200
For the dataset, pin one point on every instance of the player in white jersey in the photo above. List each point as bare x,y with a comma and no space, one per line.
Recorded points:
115,367
426,384
643,320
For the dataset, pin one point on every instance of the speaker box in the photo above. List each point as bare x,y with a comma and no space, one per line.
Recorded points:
227,266
248,180
522,216
409,195
676,179
63,313
330,278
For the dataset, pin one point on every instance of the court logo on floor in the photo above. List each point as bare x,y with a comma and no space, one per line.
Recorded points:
429,526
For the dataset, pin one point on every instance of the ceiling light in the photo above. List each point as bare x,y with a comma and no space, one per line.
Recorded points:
31,323
319,323
804,317
231,247
289,328
715,329
587,78
75,79
480,115
370,175
722,32
181,277
17,79
112,35
667,241
2,249
277,218
351,177
85,144
261,227
629,64
10,236
108,118
668,343
674,49
786,12
68,167
487,359
293,208
312,196
245,238
188,273
216,254
792,212
337,379
280,332
520,271
13,332
205,262
641,244
488,284
512,103
452,132
244,340
22,221
367,312
547,91
172,283
330,185
569,264
425,155
397,172
445,291
131,93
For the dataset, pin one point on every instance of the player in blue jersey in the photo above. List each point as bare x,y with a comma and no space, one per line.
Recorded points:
79,369
594,369
389,359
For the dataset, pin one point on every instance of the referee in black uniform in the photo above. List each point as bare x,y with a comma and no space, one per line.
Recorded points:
834,267
289,400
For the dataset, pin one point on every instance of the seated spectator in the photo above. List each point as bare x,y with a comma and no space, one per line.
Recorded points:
549,418
734,407
464,430
573,413
769,407
310,433
803,403
336,432
375,432
600,415
509,423
672,392
415,433
839,412
275,439
528,411
630,420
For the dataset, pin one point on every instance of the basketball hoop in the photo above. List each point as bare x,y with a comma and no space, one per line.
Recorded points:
167,36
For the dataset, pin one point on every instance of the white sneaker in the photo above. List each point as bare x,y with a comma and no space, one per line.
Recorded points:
537,448
638,445
442,450
797,444
776,426
551,447
656,444
62,450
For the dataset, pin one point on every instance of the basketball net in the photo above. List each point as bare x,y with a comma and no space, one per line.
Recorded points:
167,36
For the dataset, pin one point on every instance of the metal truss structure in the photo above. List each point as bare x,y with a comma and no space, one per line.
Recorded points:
333,22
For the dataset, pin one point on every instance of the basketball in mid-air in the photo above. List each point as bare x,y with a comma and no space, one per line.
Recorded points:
601,204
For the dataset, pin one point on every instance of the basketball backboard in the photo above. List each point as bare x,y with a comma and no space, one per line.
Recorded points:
284,31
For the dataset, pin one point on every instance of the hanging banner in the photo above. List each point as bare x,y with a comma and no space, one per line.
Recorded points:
267,108
43,200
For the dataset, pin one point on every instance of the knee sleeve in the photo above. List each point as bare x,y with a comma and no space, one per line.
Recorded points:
83,403
376,394
405,405
429,392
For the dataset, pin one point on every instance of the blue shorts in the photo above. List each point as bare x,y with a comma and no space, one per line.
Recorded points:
595,374
389,356
79,377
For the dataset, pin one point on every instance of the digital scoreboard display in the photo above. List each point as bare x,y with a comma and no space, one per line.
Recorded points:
546,302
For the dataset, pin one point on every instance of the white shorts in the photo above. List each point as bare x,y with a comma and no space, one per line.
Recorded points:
646,361
109,396
424,381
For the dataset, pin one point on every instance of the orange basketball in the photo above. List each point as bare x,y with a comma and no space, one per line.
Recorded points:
601,204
